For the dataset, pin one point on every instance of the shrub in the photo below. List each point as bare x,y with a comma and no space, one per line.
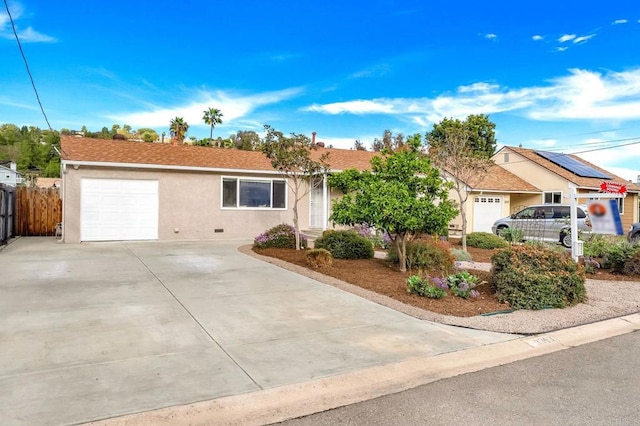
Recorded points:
319,258
632,265
598,245
426,253
512,235
616,256
280,236
372,234
345,245
422,287
485,240
463,284
461,255
535,277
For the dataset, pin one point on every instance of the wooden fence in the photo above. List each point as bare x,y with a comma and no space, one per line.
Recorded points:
38,211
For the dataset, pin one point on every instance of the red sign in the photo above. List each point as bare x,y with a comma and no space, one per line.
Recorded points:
613,188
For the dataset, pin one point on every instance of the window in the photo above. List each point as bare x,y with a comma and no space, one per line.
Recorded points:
506,157
552,197
621,205
254,193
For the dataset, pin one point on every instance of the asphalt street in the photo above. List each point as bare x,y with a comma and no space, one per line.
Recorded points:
593,384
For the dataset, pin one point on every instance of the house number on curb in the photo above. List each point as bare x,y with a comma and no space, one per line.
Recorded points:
541,340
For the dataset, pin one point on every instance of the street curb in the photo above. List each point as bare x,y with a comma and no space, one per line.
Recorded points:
297,400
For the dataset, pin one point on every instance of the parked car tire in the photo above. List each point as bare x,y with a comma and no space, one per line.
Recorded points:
565,238
635,238
500,229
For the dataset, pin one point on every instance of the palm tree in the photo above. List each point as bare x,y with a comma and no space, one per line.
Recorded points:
178,128
212,116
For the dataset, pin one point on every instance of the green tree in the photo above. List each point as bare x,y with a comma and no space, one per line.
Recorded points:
480,132
212,116
403,194
359,146
146,134
292,158
389,141
455,156
246,140
178,128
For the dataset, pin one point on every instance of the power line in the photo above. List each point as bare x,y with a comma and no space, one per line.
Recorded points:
26,64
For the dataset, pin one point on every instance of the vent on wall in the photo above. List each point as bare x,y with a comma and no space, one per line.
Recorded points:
218,230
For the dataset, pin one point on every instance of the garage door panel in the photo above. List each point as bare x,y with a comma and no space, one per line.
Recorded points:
486,210
118,209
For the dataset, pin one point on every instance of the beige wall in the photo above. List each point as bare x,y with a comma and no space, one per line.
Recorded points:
188,201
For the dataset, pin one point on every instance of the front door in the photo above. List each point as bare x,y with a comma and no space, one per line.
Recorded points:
316,204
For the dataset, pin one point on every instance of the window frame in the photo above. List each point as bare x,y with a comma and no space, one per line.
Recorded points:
239,179
552,193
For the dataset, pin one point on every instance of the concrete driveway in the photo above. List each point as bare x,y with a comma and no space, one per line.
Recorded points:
97,330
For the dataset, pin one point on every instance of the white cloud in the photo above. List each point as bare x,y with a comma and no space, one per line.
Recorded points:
537,37
561,48
234,107
591,95
583,39
566,37
619,21
28,35
580,95
374,71
490,36
541,143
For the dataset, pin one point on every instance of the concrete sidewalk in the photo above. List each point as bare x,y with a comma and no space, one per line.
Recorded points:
98,330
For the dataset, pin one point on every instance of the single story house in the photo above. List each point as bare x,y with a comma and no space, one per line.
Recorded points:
9,174
120,190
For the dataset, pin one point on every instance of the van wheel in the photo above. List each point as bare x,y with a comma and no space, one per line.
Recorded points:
500,230
635,238
566,239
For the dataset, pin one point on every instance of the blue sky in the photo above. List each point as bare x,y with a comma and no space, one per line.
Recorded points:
560,76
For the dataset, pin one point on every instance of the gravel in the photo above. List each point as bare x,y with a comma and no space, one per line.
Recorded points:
605,300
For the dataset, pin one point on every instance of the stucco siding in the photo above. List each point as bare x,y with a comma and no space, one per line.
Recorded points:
189,205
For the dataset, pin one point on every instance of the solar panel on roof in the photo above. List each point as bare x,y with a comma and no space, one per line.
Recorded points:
572,165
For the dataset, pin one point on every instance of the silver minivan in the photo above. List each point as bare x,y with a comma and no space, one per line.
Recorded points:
544,222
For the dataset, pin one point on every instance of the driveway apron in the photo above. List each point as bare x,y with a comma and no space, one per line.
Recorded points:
96,330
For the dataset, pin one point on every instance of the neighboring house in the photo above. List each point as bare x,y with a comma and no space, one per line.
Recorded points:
120,190
9,174
491,197
556,174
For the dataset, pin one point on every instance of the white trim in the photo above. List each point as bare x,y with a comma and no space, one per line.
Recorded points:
165,167
252,178
325,202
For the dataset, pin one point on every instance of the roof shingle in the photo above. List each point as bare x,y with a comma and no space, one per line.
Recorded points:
125,152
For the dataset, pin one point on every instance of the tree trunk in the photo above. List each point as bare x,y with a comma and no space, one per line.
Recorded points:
401,245
463,216
295,223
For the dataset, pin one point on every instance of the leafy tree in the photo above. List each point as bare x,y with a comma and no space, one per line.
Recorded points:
291,157
359,146
246,140
388,142
146,134
480,132
403,194
455,155
212,116
178,128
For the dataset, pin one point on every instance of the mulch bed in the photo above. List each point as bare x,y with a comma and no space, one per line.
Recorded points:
380,276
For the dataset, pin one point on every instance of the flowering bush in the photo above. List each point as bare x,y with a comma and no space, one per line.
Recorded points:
422,287
280,236
463,284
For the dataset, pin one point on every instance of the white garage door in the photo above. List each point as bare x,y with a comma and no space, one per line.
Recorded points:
486,210
118,209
